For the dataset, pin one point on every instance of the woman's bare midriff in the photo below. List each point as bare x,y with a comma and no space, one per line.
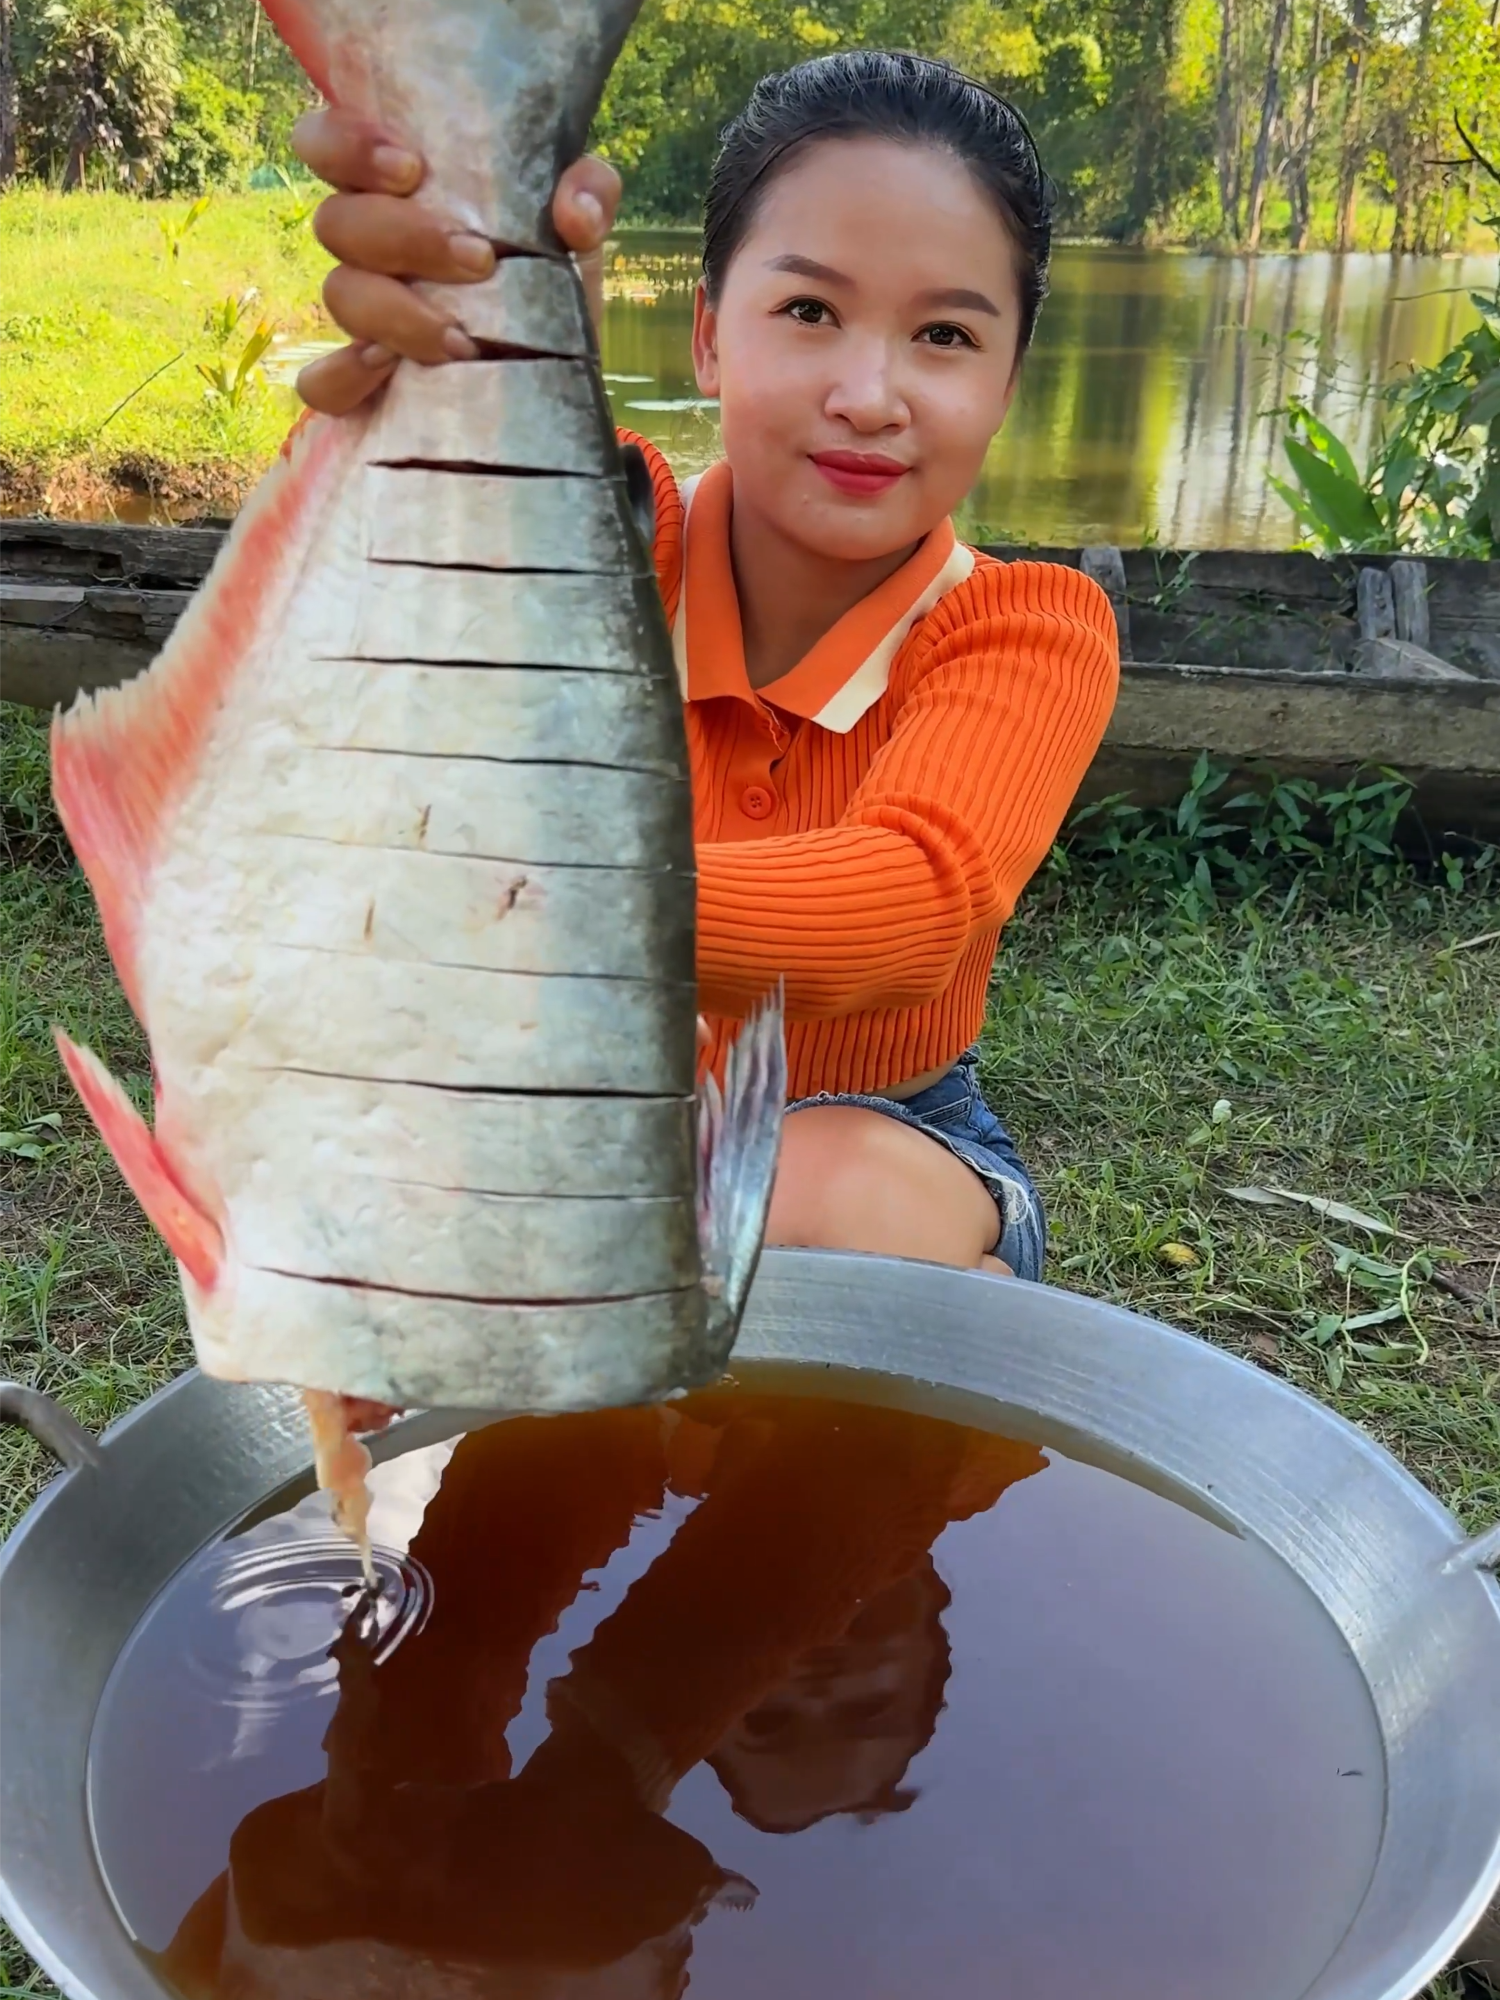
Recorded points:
914,1085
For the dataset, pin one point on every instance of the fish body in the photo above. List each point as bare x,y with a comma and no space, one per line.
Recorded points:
393,843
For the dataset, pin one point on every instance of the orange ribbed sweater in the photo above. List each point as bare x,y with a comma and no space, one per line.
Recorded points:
865,824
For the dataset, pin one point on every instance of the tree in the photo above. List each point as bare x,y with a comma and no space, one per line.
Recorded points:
1227,119
101,88
8,104
1270,104
1352,143
1302,133
213,142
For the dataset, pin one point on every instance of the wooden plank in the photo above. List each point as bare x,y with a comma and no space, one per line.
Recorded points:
123,617
41,668
1218,629
1290,609
1335,720
99,552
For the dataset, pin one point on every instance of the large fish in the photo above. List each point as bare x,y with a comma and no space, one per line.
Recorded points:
393,843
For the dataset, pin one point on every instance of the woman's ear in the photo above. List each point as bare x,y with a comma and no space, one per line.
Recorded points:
705,343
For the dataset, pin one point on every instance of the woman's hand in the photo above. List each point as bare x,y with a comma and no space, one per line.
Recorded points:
382,241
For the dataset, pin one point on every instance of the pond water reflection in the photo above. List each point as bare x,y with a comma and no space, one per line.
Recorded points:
1143,410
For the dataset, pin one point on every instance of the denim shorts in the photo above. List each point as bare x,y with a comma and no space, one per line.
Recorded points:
954,1112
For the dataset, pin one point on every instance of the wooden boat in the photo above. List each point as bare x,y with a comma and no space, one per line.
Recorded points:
1311,667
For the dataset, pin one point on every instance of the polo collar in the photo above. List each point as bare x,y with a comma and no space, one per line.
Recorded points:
848,670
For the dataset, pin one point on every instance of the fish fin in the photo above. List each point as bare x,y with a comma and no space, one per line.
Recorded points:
296,23
191,1236
739,1139
123,759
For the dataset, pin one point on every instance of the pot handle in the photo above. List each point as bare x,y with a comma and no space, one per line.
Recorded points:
50,1424
1479,1552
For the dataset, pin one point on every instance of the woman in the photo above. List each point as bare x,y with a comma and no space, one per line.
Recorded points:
886,729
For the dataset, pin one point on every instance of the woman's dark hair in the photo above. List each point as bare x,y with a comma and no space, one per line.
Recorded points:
876,93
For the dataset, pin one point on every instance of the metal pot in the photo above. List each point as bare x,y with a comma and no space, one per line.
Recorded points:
1414,1600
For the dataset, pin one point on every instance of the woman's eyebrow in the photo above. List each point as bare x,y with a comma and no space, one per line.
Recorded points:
807,267
972,301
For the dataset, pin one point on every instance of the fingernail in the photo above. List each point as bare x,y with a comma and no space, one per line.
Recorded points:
590,210
472,253
376,357
458,344
396,167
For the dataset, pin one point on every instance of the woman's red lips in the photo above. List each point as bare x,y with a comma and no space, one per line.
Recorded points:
859,471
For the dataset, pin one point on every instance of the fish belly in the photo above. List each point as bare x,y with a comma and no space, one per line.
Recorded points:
416,955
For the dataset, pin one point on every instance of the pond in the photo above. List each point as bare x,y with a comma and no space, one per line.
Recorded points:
1143,411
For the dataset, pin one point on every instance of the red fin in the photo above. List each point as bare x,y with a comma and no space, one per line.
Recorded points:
293,21
191,1236
124,759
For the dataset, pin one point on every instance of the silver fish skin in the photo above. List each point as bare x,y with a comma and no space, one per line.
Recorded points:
393,843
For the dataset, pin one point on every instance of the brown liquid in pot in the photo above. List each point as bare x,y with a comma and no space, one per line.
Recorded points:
786,1694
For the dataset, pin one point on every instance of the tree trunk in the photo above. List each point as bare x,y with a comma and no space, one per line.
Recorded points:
1421,174
1351,150
7,93
1148,177
1228,123
1301,151
1472,183
1269,103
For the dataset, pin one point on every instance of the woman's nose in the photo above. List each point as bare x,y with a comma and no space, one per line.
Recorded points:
866,390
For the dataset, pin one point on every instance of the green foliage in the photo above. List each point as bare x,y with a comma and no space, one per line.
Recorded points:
300,202
175,228
214,141
1285,839
1432,482
95,311
1122,131
1145,111
99,91
1130,100
231,384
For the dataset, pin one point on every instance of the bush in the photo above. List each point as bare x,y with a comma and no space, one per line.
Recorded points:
1285,839
96,98
213,139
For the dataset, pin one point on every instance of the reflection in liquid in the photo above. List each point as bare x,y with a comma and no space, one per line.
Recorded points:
790,1633
798,1694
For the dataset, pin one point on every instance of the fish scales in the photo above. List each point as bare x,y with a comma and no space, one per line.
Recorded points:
393,844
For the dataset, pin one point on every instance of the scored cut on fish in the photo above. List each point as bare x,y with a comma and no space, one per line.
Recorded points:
393,844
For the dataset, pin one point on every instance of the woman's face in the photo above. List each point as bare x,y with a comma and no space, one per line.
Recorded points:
864,345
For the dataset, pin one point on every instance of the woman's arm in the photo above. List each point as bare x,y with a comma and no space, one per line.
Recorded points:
383,241
1005,707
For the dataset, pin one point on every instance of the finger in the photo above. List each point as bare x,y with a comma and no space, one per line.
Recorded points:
352,153
391,314
584,207
339,382
704,1036
404,239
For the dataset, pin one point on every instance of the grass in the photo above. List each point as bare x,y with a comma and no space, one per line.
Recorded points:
1150,1051
72,349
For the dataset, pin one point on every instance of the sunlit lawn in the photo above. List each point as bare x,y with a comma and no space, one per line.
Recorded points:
100,292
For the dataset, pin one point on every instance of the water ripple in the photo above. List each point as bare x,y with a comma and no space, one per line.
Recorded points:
277,1609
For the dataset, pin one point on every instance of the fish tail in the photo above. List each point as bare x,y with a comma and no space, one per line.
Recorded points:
739,1139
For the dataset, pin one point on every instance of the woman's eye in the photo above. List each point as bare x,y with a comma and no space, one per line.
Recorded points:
808,312
944,335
